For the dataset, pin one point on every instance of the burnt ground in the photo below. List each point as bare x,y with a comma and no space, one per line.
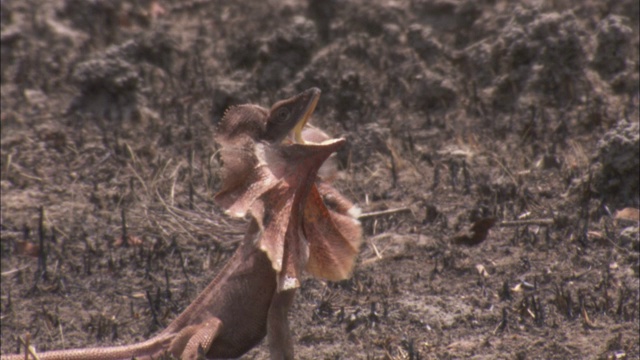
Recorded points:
455,111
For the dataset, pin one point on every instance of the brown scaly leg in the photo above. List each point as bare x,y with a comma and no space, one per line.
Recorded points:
278,333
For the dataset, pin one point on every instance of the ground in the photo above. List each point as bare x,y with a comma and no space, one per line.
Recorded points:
522,114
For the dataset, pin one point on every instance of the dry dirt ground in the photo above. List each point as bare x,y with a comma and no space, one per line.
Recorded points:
525,114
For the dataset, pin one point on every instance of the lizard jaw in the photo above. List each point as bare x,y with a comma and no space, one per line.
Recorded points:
297,130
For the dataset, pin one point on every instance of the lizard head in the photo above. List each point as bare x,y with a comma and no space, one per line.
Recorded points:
243,125
245,128
241,131
291,115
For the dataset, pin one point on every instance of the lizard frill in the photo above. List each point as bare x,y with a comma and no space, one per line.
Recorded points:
298,230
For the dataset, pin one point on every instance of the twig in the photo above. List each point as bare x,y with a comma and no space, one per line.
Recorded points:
383,212
28,349
125,237
135,173
168,209
42,255
504,168
9,272
61,333
20,171
539,222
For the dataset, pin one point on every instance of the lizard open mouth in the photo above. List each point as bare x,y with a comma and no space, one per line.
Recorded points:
297,130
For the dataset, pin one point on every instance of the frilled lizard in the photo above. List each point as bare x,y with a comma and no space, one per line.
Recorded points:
297,222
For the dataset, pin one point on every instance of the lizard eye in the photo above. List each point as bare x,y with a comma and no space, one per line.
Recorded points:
282,114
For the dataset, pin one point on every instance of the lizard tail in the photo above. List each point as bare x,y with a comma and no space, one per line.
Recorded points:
149,349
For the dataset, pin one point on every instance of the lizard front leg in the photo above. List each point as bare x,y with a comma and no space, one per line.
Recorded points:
189,340
278,333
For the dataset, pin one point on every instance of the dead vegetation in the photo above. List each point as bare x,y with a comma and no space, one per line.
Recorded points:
454,111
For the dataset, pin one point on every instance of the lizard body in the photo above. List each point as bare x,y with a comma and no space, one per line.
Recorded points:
291,228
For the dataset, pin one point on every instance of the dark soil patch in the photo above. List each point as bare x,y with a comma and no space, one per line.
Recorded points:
454,110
